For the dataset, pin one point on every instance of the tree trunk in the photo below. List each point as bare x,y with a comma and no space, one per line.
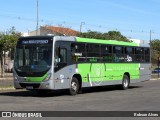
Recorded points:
1,59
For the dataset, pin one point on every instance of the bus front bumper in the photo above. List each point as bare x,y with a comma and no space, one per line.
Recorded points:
32,86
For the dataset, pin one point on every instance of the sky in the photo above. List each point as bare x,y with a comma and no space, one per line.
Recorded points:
133,18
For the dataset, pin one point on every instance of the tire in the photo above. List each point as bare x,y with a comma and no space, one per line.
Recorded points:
125,82
74,88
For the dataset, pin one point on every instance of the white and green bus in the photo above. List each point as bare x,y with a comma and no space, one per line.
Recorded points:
60,62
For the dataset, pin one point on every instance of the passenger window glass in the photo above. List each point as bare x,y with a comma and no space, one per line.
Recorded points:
106,53
78,52
60,55
139,55
93,53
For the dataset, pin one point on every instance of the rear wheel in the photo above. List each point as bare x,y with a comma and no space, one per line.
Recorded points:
125,82
74,88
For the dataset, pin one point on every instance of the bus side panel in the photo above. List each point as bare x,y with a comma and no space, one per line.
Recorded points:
145,72
62,78
115,71
93,74
98,74
84,70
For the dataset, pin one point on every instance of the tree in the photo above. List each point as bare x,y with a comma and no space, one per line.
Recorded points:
116,35
7,43
155,50
111,35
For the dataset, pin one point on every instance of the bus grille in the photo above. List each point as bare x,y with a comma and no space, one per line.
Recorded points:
24,85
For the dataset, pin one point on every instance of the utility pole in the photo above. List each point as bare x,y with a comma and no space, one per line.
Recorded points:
150,44
37,19
150,35
82,23
158,66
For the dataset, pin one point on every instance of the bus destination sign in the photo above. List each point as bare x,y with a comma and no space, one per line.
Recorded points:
35,41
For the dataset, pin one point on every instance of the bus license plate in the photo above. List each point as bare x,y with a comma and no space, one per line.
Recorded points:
29,87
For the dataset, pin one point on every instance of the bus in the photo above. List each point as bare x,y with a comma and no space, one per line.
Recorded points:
45,63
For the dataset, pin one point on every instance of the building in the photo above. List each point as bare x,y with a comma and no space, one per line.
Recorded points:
44,30
140,41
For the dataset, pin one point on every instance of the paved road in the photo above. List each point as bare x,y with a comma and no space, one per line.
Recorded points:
139,97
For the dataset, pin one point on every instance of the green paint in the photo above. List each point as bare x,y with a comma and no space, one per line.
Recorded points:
108,71
36,79
112,42
93,60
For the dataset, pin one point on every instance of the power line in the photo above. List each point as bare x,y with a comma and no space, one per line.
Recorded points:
83,25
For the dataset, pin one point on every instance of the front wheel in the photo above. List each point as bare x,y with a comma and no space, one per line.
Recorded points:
74,88
125,82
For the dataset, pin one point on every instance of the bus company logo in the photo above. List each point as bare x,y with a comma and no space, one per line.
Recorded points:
98,70
6,114
97,73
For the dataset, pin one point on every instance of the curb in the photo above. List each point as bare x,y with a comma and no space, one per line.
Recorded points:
155,79
7,88
6,78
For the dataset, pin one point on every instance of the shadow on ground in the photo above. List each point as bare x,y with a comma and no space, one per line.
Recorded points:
25,93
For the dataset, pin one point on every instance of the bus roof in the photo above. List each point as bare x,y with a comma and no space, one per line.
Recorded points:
88,40
111,42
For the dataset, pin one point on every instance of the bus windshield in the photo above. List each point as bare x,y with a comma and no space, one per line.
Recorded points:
33,60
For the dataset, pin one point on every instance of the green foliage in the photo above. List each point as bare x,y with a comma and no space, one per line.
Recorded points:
111,35
155,50
8,42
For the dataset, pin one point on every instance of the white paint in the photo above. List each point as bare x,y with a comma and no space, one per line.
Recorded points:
141,68
89,80
76,70
62,81
61,76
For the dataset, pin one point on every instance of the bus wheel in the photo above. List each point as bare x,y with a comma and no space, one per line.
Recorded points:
74,86
125,82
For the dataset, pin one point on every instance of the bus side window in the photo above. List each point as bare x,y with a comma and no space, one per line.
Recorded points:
147,54
57,55
139,54
60,58
93,53
118,57
78,52
129,51
63,55
106,53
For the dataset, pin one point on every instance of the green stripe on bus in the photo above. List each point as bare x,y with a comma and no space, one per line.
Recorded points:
36,79
112,42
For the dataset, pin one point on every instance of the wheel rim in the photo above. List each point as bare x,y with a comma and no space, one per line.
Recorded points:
74,86
125,83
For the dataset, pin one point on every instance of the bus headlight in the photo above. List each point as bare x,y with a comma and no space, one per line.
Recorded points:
48,77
